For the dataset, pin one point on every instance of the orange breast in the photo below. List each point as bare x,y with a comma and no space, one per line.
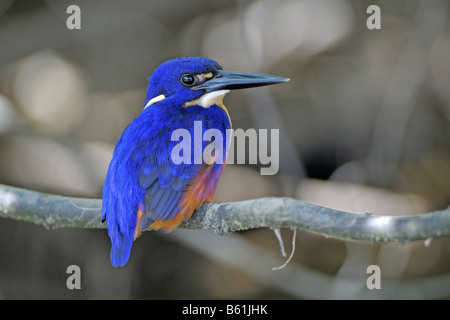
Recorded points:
201,190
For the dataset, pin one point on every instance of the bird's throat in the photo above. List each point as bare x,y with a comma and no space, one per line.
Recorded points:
208,99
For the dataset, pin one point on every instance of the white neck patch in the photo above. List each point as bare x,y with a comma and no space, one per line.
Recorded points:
155,100
208,99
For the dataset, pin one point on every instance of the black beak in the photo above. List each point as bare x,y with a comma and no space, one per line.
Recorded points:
226,80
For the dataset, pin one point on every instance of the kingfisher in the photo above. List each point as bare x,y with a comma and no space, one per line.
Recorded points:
146,186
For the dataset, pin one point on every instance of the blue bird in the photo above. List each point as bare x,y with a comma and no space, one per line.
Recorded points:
144,187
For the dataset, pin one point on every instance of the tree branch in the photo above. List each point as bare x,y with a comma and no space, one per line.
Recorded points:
54,211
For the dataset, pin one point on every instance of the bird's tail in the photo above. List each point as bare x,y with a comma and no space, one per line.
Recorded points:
120,252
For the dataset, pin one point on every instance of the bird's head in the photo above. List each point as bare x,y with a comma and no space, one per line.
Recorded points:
199,81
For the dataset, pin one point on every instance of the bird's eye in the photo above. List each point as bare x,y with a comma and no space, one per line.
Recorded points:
188,79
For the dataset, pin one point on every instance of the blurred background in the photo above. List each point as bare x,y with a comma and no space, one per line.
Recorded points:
364,127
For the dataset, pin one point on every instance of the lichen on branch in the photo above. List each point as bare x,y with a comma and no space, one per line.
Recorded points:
53,211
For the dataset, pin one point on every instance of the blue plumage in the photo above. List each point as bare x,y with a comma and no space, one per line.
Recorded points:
149,177
144,187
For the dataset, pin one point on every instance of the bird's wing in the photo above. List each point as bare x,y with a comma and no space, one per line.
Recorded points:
164,185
